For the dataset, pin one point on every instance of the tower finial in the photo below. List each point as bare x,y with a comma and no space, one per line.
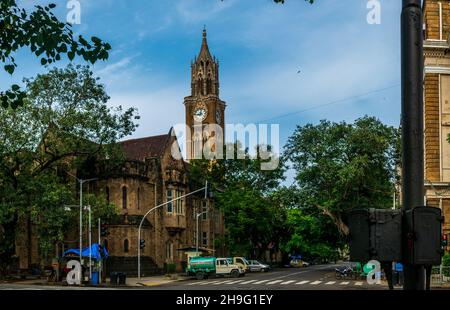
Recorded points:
204,31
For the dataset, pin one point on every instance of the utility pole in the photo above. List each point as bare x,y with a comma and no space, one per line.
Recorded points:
153,209
412,127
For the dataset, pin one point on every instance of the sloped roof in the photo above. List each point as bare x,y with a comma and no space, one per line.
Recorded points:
140,149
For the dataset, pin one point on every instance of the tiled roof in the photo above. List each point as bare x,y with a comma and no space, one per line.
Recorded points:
140,149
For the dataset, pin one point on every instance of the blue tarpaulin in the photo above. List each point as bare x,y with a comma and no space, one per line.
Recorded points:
95,250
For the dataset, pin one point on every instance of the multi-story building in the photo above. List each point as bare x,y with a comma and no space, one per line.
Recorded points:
437,106
150,176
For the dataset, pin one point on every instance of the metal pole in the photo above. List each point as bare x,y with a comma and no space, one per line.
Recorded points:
412,126
81,229
146,214
101,262
196,237
90,244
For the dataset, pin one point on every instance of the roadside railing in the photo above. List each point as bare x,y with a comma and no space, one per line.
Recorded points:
440,275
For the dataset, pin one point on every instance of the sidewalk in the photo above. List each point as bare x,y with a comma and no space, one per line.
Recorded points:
155,280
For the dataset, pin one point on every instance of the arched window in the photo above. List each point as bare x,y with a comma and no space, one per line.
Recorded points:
124,197
126,246
107,193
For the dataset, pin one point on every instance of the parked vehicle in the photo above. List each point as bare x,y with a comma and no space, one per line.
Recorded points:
298,263
345,272
240,261
255,266
204,267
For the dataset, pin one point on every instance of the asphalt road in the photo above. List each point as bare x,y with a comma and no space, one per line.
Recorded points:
318,277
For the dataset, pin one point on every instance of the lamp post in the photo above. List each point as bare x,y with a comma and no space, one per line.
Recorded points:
88,208
81,181
196,232
151,210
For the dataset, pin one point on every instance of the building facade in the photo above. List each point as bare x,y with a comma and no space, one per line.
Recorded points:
205,112
150,176
437,106
153,176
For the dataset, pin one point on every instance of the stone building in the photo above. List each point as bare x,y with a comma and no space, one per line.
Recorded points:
150,176
437,106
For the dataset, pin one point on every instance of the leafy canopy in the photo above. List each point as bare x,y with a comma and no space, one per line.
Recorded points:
64,122
341,166
45,36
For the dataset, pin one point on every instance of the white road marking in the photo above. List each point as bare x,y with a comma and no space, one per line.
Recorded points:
234,282
359,283
274,282
344,283
261,282
206,283
223,282
248,282
316,282
302,282
287,282
197,283
330,283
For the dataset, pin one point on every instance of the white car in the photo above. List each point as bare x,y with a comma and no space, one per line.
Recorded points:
255,266
297,263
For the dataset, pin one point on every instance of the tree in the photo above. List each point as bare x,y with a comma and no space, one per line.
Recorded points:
63,123
45,36
340,167
243,193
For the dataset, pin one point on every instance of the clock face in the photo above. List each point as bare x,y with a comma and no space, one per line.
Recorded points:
200,113
218,116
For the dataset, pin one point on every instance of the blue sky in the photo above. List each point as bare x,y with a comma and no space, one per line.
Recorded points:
260,45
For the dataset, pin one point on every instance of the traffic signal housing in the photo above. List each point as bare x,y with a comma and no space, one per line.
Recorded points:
141,244
414,236
104,230
424,236
375,234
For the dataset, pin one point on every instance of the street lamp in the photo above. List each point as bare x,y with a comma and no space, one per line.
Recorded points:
151,210
81,181
196,232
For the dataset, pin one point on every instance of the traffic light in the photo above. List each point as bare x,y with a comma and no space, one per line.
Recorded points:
142,243
375,234
424,236
444,241
208,190
104,230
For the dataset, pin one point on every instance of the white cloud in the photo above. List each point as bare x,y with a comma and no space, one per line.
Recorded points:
159,110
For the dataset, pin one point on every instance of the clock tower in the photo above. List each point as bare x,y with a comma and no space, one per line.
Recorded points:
205,112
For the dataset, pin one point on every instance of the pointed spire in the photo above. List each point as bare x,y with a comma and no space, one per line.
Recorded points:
204,51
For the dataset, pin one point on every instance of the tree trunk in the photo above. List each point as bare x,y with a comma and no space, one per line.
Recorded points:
337,219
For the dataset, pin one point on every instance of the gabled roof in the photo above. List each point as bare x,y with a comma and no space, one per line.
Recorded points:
141,149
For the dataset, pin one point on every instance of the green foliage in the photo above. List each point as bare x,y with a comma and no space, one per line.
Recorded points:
312,235
340,167
243,193
64,123
45,36
446,264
